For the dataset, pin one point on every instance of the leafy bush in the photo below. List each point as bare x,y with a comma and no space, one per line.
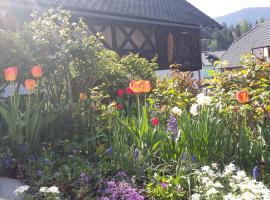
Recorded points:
179,91
252,78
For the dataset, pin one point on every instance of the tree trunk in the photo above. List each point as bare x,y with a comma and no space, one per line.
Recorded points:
69,86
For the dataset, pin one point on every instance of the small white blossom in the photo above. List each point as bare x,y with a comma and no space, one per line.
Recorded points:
211,191
203,100
177,111
229,169
21,190
214,165
205,179
218,185
52,189
43,189
229,196
205,168
248,196
196,196
194,109
240,175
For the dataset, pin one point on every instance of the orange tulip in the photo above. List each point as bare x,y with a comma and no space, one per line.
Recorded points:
242,96
37,71
83,96
30,84
11,73
140,86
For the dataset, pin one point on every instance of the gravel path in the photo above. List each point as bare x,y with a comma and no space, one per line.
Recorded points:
7,186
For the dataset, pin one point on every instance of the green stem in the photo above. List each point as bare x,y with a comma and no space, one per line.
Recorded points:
138,106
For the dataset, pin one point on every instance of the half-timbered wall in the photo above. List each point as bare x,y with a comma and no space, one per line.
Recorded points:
125,38
170,44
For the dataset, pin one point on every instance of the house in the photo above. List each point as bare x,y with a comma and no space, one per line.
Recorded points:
169,29
208,59
256,41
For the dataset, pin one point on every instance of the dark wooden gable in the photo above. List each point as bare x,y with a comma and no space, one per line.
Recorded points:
126,37
151,40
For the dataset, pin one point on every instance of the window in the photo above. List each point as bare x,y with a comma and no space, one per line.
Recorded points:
266,52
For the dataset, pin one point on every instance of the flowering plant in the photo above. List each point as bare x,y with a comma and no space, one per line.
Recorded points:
228,184
115,190
24,124
203,131
167,187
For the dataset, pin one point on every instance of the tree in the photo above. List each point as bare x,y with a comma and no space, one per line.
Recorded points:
237,32
262,20
245,26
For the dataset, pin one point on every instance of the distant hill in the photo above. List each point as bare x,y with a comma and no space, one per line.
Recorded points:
249,14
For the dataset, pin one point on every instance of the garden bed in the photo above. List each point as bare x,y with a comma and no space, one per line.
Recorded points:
92,125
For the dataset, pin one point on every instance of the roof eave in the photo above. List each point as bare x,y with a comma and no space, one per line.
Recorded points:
91,13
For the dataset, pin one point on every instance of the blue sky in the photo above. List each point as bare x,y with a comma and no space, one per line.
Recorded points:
215,8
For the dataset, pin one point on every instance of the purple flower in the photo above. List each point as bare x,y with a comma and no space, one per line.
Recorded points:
23,146
84,177
194,159
104,198
163,185
136,154
7,162
172,124
120,190
109,150
255,173
39,173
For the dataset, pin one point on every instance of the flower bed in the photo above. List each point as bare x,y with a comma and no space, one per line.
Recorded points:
121,133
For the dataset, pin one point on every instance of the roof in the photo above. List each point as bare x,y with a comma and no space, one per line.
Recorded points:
258,37
205,56
171,11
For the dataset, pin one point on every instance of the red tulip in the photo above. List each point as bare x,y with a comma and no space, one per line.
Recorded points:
37,71
11,73
120,92
129,90
242,96
30,84
119,106
155,121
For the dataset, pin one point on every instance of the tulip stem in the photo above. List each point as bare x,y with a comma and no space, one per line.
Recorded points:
138,105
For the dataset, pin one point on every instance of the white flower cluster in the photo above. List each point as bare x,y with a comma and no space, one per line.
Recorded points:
215,184
53,190
21,190
177,111
194,109
201,100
